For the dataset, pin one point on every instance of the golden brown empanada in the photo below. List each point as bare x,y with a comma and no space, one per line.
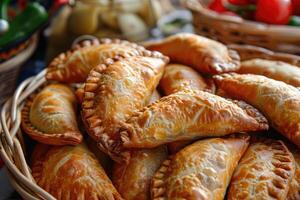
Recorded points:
155,96
264,172
201,170
278,101
277,70
186,115
179,77
50,116
75,65
133,179
294,190
203,54
71,172
113,94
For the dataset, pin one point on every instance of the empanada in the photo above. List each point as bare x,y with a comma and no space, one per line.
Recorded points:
264,172
294,190
178,77
203,54
112,95
50,116
132,179
277,70
186,115
278,101
201,170
75,65
71,172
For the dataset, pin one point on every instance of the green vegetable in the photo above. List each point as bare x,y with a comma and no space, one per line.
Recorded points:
242,10
3,9
24,24
294,21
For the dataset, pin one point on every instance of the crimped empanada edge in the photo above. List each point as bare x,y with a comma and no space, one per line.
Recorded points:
71,137
157,185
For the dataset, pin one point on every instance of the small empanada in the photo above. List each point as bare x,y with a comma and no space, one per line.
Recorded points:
277,70
75,65
132,179
203,54
71,172
50,116
186,115
294,190
278,101
113,94
179,77
264,172
201,170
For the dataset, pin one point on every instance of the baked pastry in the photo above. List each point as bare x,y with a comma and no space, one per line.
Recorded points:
75,65
278,101
264,172
112,95
203,54
277,70
71,172
80,94
294,190
186,115
50,116
132,179
178,77
201,170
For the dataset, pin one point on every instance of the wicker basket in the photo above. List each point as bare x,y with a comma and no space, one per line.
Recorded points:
12,147
235,30
9,69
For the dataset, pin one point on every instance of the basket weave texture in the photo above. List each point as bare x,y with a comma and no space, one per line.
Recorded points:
12,146
235,30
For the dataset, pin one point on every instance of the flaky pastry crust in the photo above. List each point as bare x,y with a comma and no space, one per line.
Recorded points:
71,172
203,54
186,115
50,116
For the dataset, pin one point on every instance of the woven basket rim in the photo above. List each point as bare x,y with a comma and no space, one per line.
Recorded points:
195,6
11,140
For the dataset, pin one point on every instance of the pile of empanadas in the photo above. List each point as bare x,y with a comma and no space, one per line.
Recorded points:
213,134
